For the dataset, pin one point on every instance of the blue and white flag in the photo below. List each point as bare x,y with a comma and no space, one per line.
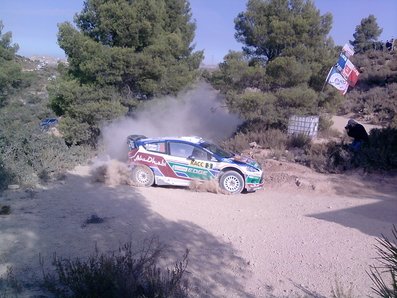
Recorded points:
347,69
342,62
337,80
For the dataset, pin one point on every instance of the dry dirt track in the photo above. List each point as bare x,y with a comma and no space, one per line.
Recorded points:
286,240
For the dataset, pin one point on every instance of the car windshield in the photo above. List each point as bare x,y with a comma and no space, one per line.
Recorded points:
217,150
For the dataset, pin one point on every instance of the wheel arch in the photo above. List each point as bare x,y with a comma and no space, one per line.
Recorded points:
224,170
146,167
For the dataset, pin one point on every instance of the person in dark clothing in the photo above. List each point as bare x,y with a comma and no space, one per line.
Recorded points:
389,44
356,131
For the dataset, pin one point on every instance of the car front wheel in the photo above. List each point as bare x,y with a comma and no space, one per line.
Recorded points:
232,182
142,176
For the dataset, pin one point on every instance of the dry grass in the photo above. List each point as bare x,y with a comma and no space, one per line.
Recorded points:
125,273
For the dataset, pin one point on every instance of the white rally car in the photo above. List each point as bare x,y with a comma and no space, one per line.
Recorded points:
179,160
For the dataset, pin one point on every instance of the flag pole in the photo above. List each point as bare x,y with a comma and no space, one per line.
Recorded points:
326,80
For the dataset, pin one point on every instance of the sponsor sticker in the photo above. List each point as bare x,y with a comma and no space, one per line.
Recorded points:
202,164
151,160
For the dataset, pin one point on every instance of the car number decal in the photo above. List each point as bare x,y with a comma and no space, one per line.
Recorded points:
202,164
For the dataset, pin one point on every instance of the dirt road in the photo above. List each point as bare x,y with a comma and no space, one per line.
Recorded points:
301,235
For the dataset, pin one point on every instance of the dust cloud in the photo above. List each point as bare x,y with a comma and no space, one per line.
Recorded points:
207,186
199,111
111,173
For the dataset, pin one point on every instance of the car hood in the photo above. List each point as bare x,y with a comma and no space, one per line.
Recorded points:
245,160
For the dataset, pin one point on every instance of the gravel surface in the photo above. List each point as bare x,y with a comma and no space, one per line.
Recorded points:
303,235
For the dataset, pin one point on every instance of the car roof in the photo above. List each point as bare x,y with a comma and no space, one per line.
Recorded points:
190,139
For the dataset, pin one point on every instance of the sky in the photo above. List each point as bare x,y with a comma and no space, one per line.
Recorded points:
34,23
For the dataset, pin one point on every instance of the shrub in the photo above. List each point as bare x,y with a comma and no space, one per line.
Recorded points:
375,93
122,274
331,157
381,151
33,156
238,143
5,209
301,141
325,122
271,139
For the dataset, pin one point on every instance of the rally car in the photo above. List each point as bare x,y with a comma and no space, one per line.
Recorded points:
179,160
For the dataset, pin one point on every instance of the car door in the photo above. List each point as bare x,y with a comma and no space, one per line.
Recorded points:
190,162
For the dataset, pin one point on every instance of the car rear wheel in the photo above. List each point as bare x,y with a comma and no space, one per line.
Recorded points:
232,182
142,176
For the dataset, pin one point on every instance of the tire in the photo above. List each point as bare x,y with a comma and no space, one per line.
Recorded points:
232,182
142,176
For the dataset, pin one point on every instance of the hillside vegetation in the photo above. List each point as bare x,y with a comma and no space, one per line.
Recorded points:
114,65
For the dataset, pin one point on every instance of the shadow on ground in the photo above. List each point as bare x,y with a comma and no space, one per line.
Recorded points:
55,220
379,196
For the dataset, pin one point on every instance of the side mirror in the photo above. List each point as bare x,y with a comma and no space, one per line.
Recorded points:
191,157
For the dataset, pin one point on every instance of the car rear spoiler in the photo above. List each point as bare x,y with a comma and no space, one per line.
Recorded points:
131,139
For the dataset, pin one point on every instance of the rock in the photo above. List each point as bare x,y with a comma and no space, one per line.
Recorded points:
253,144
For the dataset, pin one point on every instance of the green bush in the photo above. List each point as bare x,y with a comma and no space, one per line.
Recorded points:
273,139
266,138
238,143
28,155
381,151
123,274
32,157
5,209
331,157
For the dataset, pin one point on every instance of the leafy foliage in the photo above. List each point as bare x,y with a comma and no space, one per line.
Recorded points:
121,52
269,27
366,35
10,71
28,155
380,153
375,95
85,108
285,58
236,74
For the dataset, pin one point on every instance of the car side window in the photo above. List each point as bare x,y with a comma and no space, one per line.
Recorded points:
181,149
199,153
156,147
